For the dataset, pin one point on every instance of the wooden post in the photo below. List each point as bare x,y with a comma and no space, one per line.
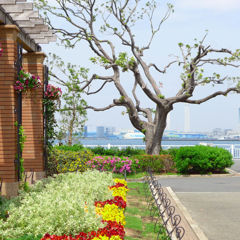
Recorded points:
32,117
8,131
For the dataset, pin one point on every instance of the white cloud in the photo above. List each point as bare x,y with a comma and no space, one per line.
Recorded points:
217,5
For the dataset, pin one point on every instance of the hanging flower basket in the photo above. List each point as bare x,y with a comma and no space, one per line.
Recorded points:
52,92
26,81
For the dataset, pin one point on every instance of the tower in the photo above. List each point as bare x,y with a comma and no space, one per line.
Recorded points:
186,118
168,127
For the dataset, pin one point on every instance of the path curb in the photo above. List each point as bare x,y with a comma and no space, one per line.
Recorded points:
231,173
188,223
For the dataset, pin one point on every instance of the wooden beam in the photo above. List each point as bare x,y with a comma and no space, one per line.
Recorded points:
7,1
19,7
46,40
31,26
26,15
36,29
28,43
30,23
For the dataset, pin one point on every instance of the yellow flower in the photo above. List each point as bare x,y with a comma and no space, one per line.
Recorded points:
117,180
107,238
120,191
111,212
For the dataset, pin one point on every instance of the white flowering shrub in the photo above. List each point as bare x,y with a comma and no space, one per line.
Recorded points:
63,205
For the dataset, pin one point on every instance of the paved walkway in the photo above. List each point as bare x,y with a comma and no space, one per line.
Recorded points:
236,166
213,202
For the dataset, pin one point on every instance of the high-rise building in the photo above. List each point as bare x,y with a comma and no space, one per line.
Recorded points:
100,132
109,131
85,131
186,118
168,127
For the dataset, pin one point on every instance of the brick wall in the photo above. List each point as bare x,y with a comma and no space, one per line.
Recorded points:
32,115
8,132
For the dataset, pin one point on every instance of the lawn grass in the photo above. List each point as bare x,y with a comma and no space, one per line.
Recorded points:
131,176
139,224
140,175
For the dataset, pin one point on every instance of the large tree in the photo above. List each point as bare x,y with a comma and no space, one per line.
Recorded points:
104,26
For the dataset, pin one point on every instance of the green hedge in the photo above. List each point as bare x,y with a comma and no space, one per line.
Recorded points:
114,151
157,163
61,161
73,148
202,159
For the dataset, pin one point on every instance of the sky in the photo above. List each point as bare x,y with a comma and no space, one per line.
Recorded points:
190,20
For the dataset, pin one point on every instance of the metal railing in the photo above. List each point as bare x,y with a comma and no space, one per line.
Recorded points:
234,149
166,212
30,176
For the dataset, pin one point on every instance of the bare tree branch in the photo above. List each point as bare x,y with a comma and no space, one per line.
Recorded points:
224,93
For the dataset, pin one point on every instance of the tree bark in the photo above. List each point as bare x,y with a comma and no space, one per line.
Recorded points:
71,127
154,134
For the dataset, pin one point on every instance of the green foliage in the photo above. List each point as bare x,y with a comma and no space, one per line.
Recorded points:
22,140
114,151
202,159
50,109
4,204
62,161
57,206
125,62
73,148
161,96
27,237
73,110
122,99
157,163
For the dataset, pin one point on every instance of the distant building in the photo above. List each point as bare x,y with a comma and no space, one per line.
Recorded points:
109,131
168,127
217,132
85,131
100,132
179,135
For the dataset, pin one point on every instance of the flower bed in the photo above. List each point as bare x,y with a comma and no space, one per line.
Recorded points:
66,206
114,164
112,213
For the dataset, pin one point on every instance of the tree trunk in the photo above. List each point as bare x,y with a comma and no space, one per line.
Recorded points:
70,137
70,129
154,133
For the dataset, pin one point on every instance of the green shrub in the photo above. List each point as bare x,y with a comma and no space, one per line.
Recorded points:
202,159
114,151
61,161
157,163
27,237
73,148
171,151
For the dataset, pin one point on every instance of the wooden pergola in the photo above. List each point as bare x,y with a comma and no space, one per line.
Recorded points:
33,31
21,27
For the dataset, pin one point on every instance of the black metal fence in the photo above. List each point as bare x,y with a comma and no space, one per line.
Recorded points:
29,176
1,183
45,119
158,202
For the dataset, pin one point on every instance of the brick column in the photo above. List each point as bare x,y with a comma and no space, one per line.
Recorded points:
32,117
8,131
